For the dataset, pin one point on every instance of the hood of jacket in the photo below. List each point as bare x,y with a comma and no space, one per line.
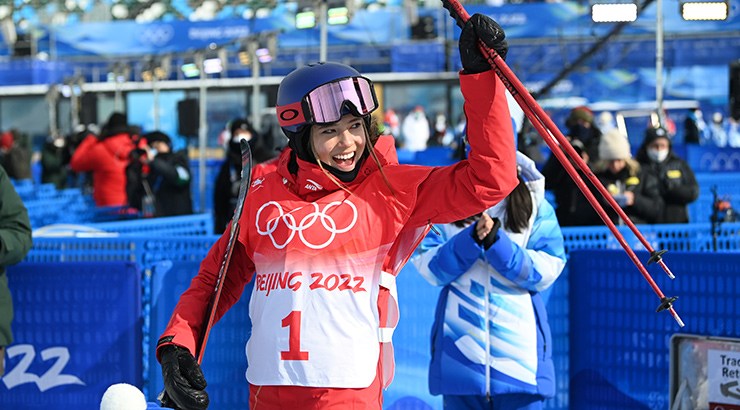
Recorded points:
119,145
532,177
534,180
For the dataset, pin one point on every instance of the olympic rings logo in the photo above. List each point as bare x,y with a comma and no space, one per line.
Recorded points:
305,223
157,35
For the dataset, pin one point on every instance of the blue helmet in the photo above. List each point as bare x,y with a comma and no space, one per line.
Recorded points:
321,93
302,100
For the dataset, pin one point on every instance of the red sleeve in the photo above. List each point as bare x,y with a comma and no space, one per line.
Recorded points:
189,315
488,175
82,160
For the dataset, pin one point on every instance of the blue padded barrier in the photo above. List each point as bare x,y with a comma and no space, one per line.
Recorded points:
77,331
185,225
556,301
620,345
417,301
678,237
712,159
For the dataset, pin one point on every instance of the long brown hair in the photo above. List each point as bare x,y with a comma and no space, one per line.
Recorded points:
518,210
518,207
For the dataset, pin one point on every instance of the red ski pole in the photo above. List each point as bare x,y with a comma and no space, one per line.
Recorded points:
555,141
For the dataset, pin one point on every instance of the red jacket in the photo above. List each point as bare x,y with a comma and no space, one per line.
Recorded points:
298,227
107,160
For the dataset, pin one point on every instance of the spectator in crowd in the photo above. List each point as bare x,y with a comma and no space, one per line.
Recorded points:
733,132
55,157
637,192
338,204
15,242
415,130
718,130
14,156
605,121
573,209
694,127
678,186
82,180
106,156
581,126
157,179
226,189
392,123
442,135
529,141
495,266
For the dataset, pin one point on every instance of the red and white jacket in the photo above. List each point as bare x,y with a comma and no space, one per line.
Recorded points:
325,259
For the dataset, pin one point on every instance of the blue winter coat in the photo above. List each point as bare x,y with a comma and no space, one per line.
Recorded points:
494,292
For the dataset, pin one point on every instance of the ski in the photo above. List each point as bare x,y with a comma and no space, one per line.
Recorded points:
233,234
210,316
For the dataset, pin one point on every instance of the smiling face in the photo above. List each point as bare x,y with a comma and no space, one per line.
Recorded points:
340,144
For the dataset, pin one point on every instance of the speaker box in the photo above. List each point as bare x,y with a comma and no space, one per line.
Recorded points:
187,117
425,29
89,109
735,90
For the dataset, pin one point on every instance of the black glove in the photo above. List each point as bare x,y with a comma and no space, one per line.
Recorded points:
184,384
485,28
492,236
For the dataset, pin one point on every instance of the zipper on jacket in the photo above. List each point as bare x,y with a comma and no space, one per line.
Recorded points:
542,332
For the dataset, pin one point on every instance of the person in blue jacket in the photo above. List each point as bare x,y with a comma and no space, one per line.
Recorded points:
491,342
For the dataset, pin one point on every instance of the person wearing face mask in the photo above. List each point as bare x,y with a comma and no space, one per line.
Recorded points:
415,130
581,126
678,186
636,190
158,179
226,189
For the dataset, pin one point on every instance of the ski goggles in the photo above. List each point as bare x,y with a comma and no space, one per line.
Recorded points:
328,102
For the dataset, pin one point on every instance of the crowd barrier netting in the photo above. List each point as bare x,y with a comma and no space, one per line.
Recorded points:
168,262
193,225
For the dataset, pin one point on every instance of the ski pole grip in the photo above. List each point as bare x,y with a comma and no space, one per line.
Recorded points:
457,11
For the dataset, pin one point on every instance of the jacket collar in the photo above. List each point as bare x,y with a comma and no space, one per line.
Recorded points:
311,182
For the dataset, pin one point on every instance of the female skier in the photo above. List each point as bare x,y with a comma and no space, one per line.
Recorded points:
324,236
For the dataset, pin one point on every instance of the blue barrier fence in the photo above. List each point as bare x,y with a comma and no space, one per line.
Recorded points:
166,264
621,347
77,331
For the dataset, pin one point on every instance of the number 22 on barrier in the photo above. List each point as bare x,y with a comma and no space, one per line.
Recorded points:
51,378
293,323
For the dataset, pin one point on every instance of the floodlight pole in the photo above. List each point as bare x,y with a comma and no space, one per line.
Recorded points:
118,73
52,97
155,97
252,48
202,131
659,60
323,39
